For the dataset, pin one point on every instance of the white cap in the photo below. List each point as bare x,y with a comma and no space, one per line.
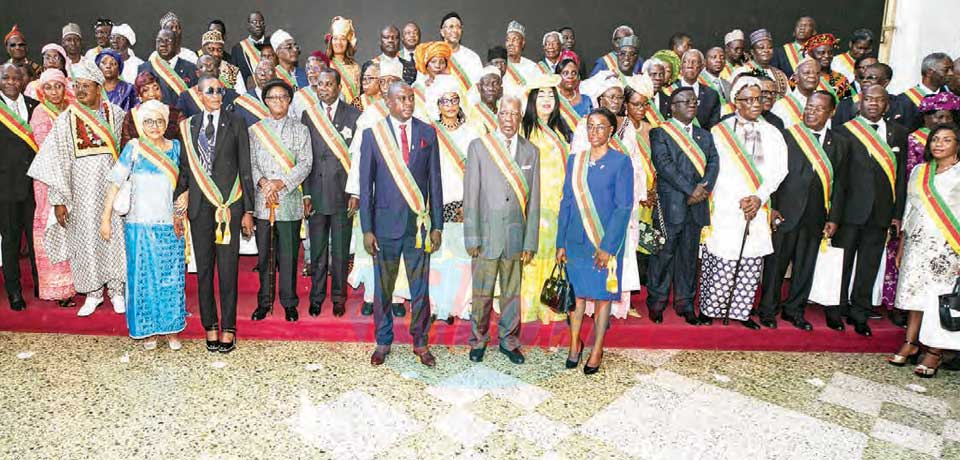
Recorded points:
278,37
390,68
126,31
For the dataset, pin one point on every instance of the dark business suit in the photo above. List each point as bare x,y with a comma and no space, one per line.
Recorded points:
231,157
708,109
300,76
239,59
781,62
330,228
188,107
847,110
676,263
867,212
186,71
385,213
912,118
249,119
800,200
16,203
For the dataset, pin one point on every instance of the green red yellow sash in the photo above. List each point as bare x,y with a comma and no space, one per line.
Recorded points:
194,93
559,144
208,187
727,70
793,106
390,152
592,225
544,67
792,50
687,145
877,148
330,135
449,148
724,133
920,136
167,73
456,70
251,52
487,116
348,87
156,157
508,168
52,111
646,160
727,109
845,63
101,129
420,98
377,105
253,105
515,74
269,138
285,76
709,84
916,94
826,86
813,150
653,114
936,206
569,114
617,144
610,60
18,126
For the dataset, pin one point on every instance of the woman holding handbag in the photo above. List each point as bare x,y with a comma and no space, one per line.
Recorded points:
594,212
930,255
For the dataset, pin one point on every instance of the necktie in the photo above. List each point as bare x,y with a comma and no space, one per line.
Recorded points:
329,114
507,141
874,126
404,145
210,131
816,135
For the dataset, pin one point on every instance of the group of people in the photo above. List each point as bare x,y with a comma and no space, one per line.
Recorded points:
695,174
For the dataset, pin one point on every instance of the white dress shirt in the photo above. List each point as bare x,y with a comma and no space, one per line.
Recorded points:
396,131
512,147
19,106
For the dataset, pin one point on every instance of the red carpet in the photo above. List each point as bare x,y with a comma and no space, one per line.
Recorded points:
673,333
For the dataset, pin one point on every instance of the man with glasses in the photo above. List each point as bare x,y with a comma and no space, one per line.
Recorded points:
936,70
768,97
790,107
708,100
609,61
190,101
171,22
16,45
246,53
464,61
102,29
880,74
281,157
229,74
174,75
288,53
685,158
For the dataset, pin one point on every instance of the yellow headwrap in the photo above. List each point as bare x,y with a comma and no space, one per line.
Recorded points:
429,50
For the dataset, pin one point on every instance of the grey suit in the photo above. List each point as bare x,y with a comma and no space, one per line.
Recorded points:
494,223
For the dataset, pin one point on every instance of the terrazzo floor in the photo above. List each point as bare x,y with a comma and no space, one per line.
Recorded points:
105,397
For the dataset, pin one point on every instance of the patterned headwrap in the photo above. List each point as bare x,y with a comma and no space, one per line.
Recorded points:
321,56
429,50
109,52
641,84
54,75
567,54
14,32
343,27
211,36
670,58
759,35
143,79
943,100
87,70
819,40
59,49
170,16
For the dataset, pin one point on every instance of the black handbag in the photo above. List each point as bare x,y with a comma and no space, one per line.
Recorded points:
653,236
950,303
557,292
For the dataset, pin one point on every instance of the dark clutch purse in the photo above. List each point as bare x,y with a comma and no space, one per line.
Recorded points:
652,236
950,303
557,292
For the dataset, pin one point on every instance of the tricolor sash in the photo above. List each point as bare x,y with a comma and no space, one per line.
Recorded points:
487,116
251,52
405,182
18,126
194,93
208,187
167,73
920,136
420,97
310,95
724,133
936,206
646,160
592,225
569,114
101,129
877,148
653,114
456,70
825,85
376,105
794,107
916,94
508,168
687,145
269,138
709,84
727,70
253,105
515,74
845,64
348,87
52,111
617,144
792,50
817,157
287,77
544,67
558,143
330,135
610,60
157,158
449,149
727,109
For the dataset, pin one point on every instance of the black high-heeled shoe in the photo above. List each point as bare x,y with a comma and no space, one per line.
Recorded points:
900,361
227,347
213,346
573,364
589,370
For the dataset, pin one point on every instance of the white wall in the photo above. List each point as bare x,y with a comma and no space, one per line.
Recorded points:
921,27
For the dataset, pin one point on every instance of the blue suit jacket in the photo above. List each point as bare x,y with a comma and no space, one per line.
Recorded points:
186,71
676,176
599,65
383,211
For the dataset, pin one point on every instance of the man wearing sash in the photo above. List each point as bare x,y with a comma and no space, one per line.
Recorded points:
860,44
708,99
501,219
17,149
790,107
212,45
659,107
75,161
806,210
401,214
761,48
246,54
788,56
482,115
713,72
609,61
936,70
519,69
753,162
685,158
332,125
733,45
288,53
250,105
281,156
174,74
465,65
190,101
215,168
877,181
551,52
390,51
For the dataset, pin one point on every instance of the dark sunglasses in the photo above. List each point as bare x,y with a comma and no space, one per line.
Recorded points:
214,91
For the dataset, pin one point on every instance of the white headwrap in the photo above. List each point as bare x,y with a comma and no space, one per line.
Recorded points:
126,31
442,84
742,83
490,70
641,84
598,84
86,69
152,107
391,69
278,37
733,35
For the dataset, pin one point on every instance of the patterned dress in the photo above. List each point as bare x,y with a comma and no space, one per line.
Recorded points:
890,275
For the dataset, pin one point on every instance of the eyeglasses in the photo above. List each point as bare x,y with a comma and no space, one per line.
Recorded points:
639,105
17,45
749,100
614,98
281,97
214,91
455,100
154,123
598,128
690,102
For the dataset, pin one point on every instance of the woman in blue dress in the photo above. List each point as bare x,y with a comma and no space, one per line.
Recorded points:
155,261
594,212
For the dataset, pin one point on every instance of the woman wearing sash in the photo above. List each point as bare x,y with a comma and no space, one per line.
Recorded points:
930,258
148,89
544,127
432,59
450,267
341,46
937,109
155,273
119,92
569,89
369,87
637,98
55,281
594,213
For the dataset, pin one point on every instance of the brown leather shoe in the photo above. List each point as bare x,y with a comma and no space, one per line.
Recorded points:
379,355
426,358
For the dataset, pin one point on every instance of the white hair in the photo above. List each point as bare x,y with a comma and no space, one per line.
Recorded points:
649,63
694,52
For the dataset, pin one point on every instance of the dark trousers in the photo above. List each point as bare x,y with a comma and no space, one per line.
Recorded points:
329,251
800,246
676,264
866,243
484,280
386,265
225,257
16,221
286,248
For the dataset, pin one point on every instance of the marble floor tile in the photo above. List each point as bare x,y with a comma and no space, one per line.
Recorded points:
539,430
907,437
464,427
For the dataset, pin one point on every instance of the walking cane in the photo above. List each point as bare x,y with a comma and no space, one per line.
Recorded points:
272,257
736,273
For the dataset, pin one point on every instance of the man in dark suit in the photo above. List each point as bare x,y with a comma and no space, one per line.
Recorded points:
217,143
17,149
390,49
166,51
874,206
804,28
708,100
874,74
401,153
251,105
325,202
288,55
189,103
936,70
799,214
247,56
683,192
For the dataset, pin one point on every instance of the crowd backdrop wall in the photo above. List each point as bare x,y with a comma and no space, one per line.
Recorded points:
485,21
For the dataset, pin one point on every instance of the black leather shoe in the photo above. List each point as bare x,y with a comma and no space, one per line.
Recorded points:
769,323
515,356
897,318
260,313
398,310
798,322
833,319
339,309
315,308
656,317
291,314
876,313
704,319
476,354
213,346
691,319
862,329
366,309
17,303
749,324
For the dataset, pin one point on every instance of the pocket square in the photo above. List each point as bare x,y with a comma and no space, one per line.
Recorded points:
526,167
895,149
423,143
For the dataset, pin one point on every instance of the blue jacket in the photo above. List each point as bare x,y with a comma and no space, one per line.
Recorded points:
676,176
